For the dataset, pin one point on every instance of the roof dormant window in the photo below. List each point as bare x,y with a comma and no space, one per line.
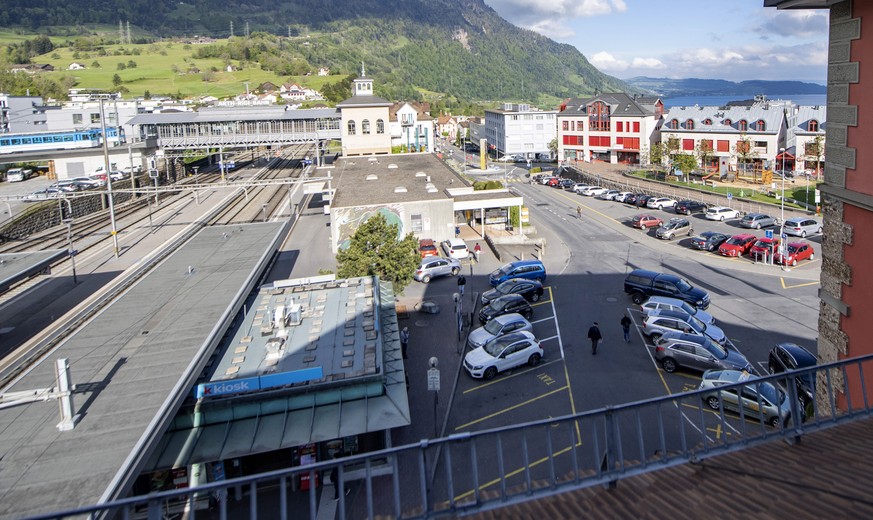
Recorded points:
742,125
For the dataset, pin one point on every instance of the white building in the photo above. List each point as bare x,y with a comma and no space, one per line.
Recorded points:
412,127
519,129
750,131
364,124
21,114
806,138
612,127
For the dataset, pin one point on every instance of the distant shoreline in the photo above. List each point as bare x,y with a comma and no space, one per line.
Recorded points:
690,101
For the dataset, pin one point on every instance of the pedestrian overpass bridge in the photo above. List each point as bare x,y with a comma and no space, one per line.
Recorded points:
226,127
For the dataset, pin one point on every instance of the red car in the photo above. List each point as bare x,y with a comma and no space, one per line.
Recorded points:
645,221
427,248
796,251
737,245
554,181
764,248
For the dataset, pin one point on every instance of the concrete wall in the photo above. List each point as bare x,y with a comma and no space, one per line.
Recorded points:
437,219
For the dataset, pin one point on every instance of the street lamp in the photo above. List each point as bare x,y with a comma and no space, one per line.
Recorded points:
72,254
196,183
782,219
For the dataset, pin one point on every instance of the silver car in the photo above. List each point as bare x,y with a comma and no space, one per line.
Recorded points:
675,349
657,323
758,220
756,399
434,266
675,227
802,226
655,303
497,327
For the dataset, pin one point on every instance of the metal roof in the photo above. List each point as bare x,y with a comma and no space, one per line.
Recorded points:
226,114
620,105
15,267
133,364
348,331
771,112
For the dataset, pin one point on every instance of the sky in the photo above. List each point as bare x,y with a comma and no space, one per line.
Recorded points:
735,40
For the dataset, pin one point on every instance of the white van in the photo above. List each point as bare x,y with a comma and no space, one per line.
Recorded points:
455,248
18,174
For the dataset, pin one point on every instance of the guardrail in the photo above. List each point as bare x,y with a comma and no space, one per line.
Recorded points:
490,469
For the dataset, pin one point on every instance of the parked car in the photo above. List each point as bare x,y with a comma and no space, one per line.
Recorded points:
655,303
661,321
708,240
621,196
676,350
554,182
758,220
67,185
721,213
455,248
756,399
505,305
802,226
645,221
86,182
660,203
435,266
427,247
674,228
764,248
791,356
580,187
794,252
499,326
737,245
567,184
631,199
641,284
503,353
48,193
546,178
532,290
592,191
608,195
687,207
529,269
642,199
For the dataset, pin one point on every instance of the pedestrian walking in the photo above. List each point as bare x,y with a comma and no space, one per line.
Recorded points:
334,478
404,340
476,250
462,282
595,337
625,327
579,212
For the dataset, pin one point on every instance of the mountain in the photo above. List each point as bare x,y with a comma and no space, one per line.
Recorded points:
459,49
668,87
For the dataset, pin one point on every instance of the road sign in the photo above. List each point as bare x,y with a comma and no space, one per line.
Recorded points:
784,236
730,196
433,379
153,174
768,233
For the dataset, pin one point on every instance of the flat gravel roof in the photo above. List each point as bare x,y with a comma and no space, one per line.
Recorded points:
132,364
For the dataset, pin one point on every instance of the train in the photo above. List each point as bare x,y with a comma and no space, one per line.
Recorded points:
65,140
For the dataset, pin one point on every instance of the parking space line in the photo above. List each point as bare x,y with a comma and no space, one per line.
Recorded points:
513,407
782,280
541,303
542,320
504,378
727,415
550,338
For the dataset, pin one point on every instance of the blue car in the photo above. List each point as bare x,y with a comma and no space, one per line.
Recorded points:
529,269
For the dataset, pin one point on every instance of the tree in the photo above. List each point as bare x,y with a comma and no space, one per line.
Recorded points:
684,162
656,153
121,66
744,152
375,250
116,80
95,64
553,147
704,152
131,64
815,150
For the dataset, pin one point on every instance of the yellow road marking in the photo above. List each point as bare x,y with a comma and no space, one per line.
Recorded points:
589,208
509,409
718,431
541,302
516,374
796,285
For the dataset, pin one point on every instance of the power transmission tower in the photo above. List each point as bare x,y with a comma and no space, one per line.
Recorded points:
247,30
129,40
231,29
120,33
289,31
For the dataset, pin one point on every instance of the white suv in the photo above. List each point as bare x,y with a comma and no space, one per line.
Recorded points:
455,248
721,213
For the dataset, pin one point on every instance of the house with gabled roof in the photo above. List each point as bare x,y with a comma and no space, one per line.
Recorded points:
411,126
611,127
806,138
447,125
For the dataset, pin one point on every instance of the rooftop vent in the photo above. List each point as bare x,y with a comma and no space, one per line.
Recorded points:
373,159
400,189
420,174
371,177
392,166
429,186
432,189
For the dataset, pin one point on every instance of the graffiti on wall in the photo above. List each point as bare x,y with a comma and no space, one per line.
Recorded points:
349,219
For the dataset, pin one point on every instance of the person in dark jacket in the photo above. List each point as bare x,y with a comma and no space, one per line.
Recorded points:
595,337
625,327
462,282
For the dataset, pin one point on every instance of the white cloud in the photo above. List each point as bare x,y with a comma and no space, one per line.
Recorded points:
795,24
548,17
647,63
607,62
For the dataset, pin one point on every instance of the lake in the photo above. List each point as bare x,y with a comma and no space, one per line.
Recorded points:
690,101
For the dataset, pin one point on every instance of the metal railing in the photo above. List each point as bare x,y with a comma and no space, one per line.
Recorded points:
495,468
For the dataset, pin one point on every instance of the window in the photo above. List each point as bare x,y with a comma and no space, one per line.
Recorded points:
351,128
565,126
760,125
706,144
77,119
743,125
598,116
761,144
688,144
812,126
743,146
673,124
380,126
365,127
95,117
597,140
416,223
574,140
723,145
707,121
636,126
619,126
689,124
